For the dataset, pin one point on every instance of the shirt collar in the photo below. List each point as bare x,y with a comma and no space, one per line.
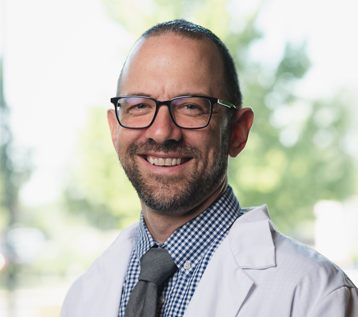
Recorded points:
189,243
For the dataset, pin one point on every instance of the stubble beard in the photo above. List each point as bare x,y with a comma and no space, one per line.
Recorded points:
174,194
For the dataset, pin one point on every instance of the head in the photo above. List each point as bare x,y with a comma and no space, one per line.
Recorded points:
185,29
175,170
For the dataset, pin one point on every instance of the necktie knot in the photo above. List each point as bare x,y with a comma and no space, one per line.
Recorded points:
156,265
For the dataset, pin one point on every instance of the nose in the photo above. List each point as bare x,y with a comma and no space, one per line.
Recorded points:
163,128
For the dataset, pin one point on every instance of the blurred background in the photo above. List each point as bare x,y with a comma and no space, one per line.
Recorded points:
63,195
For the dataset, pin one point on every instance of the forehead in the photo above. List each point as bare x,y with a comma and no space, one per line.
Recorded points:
172,65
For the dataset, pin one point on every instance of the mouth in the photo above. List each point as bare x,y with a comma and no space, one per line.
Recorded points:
166,161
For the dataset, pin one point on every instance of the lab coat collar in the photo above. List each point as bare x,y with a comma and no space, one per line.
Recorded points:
251,239
225,284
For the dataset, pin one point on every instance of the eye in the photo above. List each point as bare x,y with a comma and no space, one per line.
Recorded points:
190,109
140,106
191,106
136,106
140,109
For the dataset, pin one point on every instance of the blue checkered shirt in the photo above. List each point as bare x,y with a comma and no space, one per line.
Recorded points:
191,247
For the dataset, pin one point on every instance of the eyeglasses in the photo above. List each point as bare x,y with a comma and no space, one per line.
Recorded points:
187,112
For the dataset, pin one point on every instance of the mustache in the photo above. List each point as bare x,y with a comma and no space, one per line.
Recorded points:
170,146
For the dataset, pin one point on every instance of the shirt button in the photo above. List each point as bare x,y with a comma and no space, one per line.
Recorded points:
161,299
187,265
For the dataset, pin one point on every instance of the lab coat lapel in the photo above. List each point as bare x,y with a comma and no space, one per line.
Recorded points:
104,279
225,283
218,293
251,240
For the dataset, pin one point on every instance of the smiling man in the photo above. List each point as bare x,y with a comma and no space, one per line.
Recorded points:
195,251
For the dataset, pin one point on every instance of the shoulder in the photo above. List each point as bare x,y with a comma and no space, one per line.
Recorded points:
114,252
283,269
309,267
126,236
72,305
111,265
257,232
255,229
317,286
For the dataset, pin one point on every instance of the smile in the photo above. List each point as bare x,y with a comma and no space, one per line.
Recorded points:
168,161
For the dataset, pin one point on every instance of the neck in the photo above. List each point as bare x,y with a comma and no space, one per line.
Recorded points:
162,226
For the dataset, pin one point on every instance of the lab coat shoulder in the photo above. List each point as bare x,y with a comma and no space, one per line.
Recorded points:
257,271
73,303
97,292
317,286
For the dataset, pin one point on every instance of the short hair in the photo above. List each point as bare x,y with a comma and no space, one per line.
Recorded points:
196,32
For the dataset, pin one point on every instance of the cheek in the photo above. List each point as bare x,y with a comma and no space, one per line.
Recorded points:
210,144
129,136
217,136
126,138
219,142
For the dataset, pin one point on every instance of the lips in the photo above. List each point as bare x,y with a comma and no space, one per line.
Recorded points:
166,161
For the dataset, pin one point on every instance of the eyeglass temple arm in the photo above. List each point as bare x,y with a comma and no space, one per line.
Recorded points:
226,104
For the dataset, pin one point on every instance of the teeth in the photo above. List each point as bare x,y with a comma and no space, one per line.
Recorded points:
164,162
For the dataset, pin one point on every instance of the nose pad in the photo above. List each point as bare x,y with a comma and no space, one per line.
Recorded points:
163,128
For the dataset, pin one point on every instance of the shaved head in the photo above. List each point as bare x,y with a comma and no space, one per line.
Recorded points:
185,29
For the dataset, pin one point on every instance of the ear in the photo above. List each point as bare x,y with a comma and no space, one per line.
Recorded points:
240,125
113,125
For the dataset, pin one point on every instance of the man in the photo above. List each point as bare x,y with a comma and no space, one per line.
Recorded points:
177,117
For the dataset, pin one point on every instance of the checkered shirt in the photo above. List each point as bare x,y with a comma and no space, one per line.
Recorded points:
191,247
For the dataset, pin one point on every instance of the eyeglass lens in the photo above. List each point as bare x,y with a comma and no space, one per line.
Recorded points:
187,112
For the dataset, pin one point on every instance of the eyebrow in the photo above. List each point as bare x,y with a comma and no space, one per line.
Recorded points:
139,94
143,94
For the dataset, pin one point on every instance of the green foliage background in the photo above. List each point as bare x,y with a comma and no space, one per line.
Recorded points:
295,155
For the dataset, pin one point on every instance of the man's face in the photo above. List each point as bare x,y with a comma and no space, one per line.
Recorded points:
172,169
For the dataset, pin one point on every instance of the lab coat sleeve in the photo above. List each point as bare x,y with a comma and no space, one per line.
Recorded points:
342,302
72,306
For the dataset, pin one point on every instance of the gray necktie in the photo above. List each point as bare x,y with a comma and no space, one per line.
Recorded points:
155,266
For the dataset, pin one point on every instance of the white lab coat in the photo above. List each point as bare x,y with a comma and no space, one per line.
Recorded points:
255,272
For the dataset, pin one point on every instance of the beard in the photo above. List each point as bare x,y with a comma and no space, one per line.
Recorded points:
170,194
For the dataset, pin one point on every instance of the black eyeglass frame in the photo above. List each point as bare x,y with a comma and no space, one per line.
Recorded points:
158,103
